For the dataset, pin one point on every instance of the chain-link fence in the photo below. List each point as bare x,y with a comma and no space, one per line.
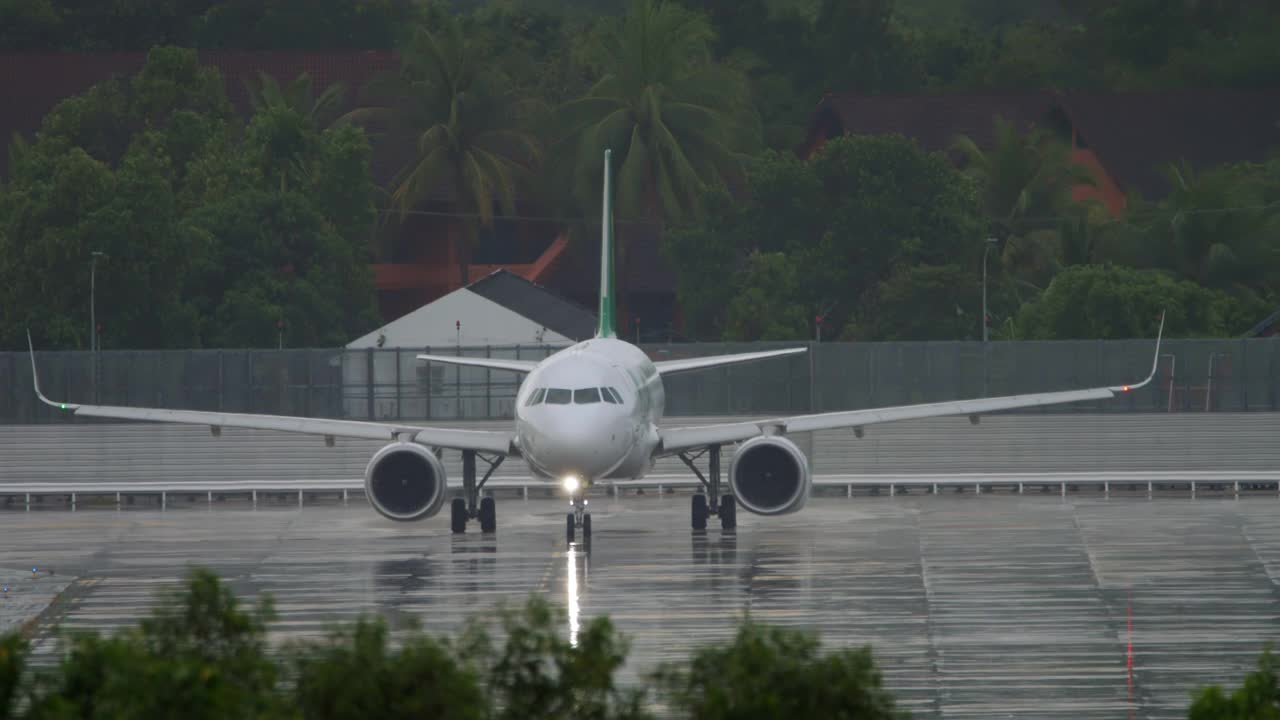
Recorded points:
390,384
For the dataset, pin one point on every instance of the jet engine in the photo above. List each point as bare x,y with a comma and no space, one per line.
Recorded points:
405,481
770,476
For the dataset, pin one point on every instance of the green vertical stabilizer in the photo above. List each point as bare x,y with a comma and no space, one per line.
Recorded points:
607,327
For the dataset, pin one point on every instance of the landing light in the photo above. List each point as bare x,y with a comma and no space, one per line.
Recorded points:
1126,388
571,483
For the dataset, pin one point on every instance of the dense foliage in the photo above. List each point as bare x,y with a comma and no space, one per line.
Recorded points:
218,228
214,230
201,654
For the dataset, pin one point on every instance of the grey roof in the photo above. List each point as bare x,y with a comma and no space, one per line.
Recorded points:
539,304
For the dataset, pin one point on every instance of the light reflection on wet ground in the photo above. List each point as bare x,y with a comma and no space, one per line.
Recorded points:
976,606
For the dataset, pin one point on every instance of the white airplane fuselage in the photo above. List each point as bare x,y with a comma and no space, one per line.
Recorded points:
591,437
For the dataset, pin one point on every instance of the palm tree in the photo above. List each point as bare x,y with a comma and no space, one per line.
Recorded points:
676,120
299,95
1026,181
469,143
1215,227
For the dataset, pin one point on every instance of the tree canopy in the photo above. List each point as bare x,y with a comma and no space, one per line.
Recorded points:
202,654
830,237
227,225
214,230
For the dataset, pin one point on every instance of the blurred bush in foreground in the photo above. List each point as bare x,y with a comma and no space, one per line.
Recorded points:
201,655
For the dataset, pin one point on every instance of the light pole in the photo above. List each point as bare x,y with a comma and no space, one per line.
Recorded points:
991,242
93,321
93,316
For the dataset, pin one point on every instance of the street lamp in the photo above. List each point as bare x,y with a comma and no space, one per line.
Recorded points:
93,319
93,322
991,242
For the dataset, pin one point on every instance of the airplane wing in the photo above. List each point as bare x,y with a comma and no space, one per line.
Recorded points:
666,367
674,440
450,438
522,366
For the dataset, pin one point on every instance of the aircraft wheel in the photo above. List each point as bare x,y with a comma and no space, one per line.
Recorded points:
569,527
728,512
699,513
586,526
488,515
458,515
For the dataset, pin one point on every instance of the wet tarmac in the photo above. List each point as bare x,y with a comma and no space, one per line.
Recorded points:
983,607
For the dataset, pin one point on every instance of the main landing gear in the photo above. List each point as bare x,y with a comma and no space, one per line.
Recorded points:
579,518
471,506
713,502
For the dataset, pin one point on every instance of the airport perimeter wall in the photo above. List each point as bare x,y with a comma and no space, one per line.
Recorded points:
391,384
1118,442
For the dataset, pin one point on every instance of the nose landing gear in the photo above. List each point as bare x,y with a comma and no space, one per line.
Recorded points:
712,503
579,518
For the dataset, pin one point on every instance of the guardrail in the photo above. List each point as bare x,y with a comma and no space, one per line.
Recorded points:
934,482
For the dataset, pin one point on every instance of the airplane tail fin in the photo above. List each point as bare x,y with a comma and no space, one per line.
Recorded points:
607,325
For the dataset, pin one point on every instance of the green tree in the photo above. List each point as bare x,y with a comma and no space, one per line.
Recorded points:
13,661
1104,302
298,95
774,45
776,672
468,132
214,231
862,210
537,673
354,674
952,293
1026,180
1218,227
861,47
198,656
673,117
764,305
1257,699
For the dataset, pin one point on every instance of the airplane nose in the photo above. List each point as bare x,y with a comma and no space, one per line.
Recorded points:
590,444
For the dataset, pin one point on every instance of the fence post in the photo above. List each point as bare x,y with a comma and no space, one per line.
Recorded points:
1243,375
248,380
399,382
368,381
221,380
813,381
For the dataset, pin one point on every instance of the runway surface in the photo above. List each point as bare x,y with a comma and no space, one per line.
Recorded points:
984,607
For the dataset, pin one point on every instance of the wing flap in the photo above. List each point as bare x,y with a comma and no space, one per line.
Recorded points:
666,367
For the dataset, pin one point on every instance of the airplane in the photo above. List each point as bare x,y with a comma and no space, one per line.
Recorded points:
589,413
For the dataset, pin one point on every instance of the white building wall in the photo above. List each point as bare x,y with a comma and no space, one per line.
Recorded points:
484,322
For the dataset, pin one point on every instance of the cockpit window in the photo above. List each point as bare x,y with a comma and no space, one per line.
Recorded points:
610,395
586,396
617,397
536,397
558,396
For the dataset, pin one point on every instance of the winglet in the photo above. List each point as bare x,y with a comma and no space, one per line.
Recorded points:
35,379
1155,362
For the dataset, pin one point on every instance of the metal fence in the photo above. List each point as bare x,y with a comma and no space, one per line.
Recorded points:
387,384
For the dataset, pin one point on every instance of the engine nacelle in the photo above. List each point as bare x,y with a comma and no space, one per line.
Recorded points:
770,476
405,481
